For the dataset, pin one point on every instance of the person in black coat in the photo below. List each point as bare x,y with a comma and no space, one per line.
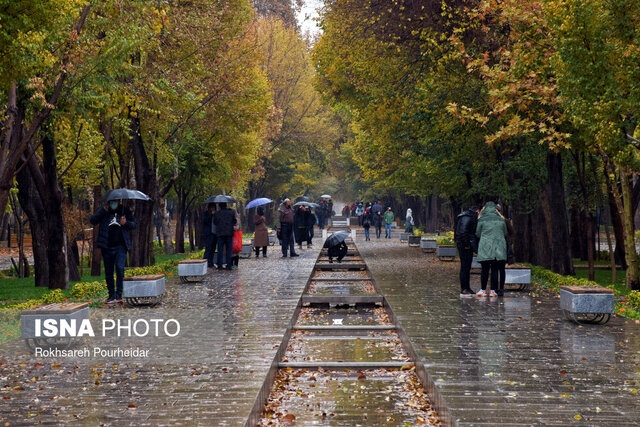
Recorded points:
339,251
300,226
209,234
224,220
310,222
467,242
115,221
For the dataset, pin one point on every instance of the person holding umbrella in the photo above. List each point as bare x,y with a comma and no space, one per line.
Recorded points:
286,226
209,234
261,237
224,219
336,247
115,222
300,225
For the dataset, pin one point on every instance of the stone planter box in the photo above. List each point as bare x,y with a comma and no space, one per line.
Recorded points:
447,253
414,241
192,268
587,304
428,245
246,250
62,313
518,275
475,264
272,240
143,290
404,237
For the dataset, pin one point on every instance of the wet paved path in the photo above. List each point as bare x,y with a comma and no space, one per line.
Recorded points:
232,324
510,361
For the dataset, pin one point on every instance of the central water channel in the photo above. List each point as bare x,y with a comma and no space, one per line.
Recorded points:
345,359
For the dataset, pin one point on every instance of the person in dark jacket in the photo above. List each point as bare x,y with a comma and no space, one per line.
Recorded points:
300,226
224,220
261,237
286,228
367,219
209,234
339,251
310,221
467,242
115,221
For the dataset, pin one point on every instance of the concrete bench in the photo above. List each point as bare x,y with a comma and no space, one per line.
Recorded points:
67,317
247,248
587,304
189,270
520,275
145,290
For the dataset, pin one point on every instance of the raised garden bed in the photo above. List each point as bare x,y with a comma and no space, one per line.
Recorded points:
428,245
446,253
414,241
67,313
145,290
191,270
587,304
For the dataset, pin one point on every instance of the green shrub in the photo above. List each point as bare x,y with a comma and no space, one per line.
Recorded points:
633,298
25,305
197,255
445,241
53,296
88,289
162,268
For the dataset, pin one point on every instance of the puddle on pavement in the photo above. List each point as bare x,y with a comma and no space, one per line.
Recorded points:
363,287
358,315
357,397
354,346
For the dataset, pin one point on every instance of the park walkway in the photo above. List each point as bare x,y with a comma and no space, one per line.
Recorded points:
232,324
511,361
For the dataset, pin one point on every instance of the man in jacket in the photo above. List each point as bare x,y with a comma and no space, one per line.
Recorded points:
286,228
389,217
467,242
209,234
224,220
115,222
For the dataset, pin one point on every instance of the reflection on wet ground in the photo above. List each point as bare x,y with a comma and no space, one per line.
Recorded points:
232,324
512,360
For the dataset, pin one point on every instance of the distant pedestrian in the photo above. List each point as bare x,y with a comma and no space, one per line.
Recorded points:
408,223
345,210
224,219
310,221
321,211
492,248
115,222
261,236
367,219
286,228
209,234
389,217
359,213
235,255
300,225
467,242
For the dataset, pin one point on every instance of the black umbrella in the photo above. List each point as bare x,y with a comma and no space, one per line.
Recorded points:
336,239
302,199
125,193
220,198
307,204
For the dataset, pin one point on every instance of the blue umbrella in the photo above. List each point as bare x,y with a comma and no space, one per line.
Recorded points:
258,202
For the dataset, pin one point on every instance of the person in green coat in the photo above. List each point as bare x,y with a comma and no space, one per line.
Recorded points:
388,219
492,248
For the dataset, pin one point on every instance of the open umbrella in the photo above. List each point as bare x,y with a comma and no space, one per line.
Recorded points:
302,199
336,238
220,198
325,196
125,193
258,202
307,204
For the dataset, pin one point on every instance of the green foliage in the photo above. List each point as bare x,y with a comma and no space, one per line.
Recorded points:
633,297
53,296
161,268
89,290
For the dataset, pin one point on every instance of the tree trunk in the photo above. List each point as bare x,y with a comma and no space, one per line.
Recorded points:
96,253
618,229
166,226
141,253
180,219
192,245
612,260
629,233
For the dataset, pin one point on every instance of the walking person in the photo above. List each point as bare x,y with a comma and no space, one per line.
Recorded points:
492,248
224,219
310,221
261,236
286,228
367,218
408,223
467,242
377,222
300,226
235,256
209,234
359,213
116,221
389,217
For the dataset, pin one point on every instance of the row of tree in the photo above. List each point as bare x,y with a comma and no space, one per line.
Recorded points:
178,99
533,102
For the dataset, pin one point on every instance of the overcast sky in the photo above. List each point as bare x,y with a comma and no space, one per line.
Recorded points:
306,15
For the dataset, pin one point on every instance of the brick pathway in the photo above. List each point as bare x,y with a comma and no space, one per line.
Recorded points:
510,361
210,374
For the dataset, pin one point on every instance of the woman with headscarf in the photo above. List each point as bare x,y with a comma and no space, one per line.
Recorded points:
492,248
408,228
261,236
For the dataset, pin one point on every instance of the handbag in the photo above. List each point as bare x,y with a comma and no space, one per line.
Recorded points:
236,246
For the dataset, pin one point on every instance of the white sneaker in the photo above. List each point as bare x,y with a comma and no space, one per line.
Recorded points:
492,294
481,293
